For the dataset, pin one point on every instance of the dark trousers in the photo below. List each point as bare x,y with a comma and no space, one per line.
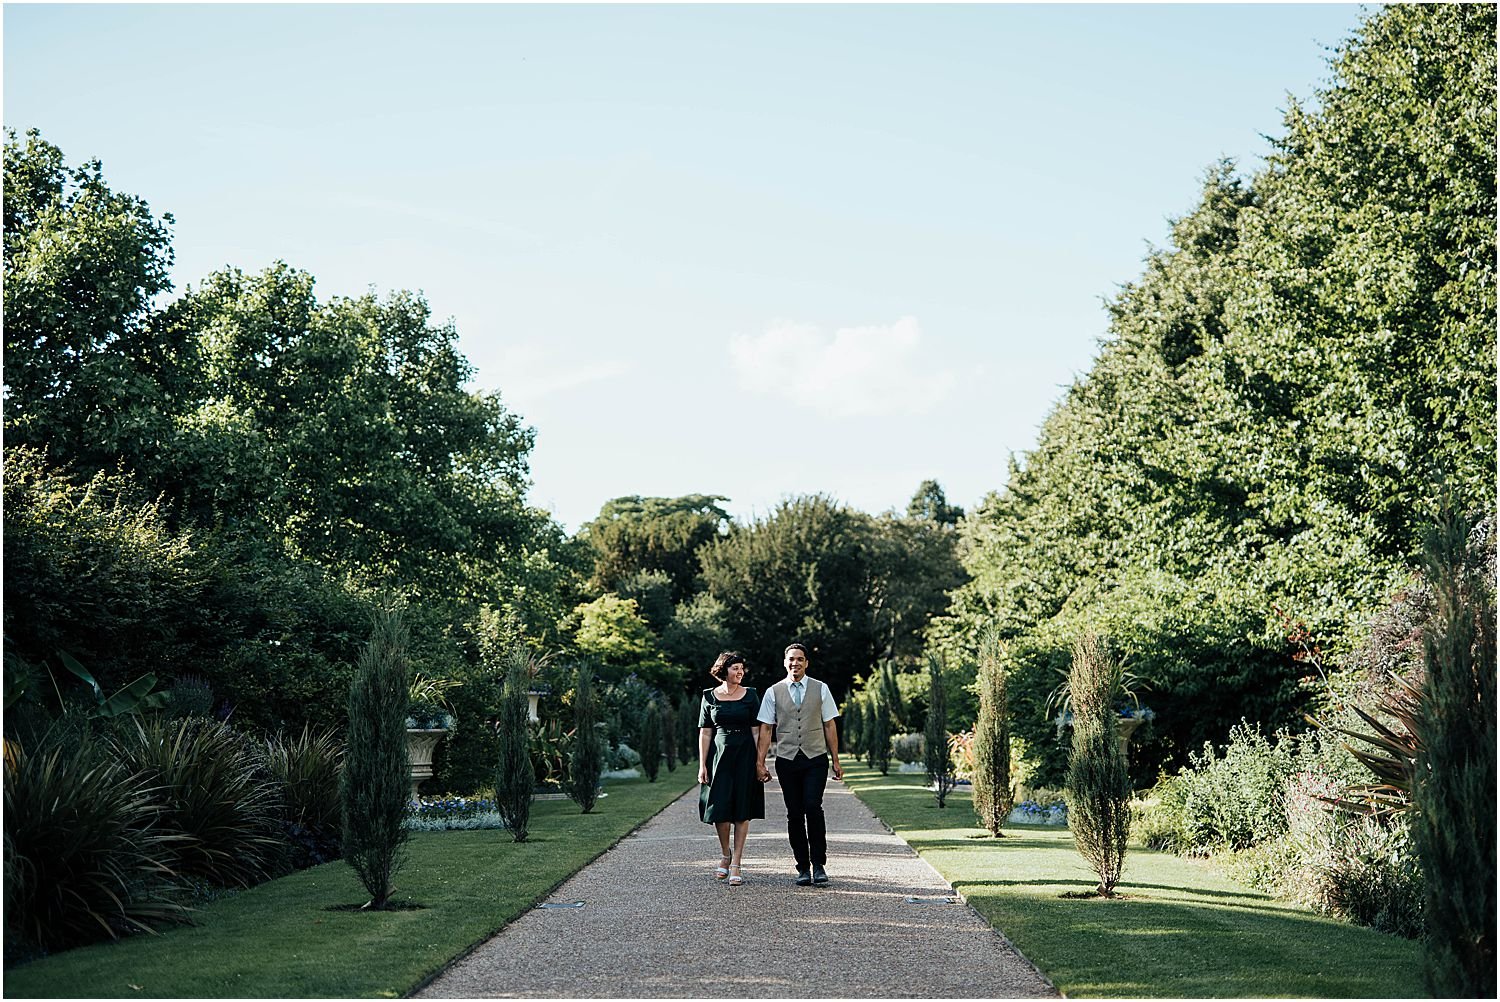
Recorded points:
802,781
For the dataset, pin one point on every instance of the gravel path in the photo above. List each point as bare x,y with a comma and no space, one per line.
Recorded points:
656,924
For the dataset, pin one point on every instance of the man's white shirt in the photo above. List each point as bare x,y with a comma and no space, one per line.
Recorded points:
767,714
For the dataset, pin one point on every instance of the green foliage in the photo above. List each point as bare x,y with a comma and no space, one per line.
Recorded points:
993,798
1283,388
852,587
939,764
515,778
306,767
82,859
612,631
376,781
1098,787
93,570
82,266
886,709
651,741
1454,827
632,535
588,759
930,504
696,633
211,792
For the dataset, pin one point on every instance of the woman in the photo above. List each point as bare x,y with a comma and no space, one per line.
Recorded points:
731,794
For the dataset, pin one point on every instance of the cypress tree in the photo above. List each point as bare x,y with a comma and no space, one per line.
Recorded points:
1098,786
993,799
515,779
651,732
376,780
853,726
669,734
587,762
1453,826
880,745
939,761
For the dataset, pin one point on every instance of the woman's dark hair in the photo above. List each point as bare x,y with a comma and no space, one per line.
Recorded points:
720,670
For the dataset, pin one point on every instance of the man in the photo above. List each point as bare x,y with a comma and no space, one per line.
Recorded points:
802,711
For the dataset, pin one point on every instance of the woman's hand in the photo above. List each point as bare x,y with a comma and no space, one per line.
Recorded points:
703,774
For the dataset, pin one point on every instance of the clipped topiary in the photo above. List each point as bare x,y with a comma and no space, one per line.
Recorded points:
1098,786
515,778
651,733
588,758
993,798
377,778
938,760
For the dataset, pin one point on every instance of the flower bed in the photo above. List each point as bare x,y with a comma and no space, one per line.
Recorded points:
1030,812
452,813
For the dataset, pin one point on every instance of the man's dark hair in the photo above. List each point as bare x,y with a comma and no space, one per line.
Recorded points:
796,647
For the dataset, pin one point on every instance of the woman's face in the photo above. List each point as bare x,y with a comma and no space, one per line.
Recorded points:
734,673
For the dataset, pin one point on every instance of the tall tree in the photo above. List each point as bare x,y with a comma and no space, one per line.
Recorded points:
376,782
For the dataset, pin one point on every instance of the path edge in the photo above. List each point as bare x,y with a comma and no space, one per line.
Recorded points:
468,950
962,897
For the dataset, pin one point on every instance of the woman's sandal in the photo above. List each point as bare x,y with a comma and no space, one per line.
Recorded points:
720,872
735,879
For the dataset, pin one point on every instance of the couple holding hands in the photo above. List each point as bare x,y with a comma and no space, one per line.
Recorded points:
735,726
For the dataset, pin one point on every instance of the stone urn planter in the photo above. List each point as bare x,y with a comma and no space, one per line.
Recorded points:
421,742
1124,728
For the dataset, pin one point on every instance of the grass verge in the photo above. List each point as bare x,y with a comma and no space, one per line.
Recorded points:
281,940
1181,930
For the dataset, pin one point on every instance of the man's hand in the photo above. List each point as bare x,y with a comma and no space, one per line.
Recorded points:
838,770
765,774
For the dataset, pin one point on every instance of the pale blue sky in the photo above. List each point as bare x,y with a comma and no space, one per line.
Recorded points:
741,250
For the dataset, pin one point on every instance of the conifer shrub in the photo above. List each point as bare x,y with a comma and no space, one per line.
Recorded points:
515,778
1098,785
852,725
669,734
887,711
993,798
938,760
376,781
588,757
1454,792
651,735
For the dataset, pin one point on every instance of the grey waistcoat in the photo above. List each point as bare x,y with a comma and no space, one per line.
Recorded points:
799,728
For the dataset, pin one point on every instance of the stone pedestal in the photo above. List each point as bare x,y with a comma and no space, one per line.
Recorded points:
420,744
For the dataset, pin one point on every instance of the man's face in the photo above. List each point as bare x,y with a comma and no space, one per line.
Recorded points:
796,664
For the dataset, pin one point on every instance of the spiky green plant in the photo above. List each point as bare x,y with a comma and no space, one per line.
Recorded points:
993,798
938,760
307,766
1454,793
515,778
82,860
376,781
588,760
211,789
1098,786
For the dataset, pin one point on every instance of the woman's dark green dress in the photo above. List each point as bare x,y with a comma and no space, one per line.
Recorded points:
733,791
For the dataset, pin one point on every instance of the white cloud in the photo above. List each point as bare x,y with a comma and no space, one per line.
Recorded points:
854,371
530,372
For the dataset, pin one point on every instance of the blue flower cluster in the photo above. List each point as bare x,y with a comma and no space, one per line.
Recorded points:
1143,712
1032,807
432,814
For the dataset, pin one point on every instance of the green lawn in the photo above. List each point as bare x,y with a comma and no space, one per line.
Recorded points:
1181,930
281,940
